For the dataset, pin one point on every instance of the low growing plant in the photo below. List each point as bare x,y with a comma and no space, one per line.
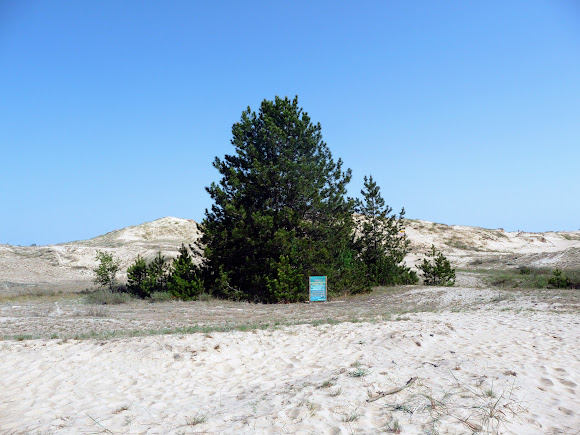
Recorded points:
106,297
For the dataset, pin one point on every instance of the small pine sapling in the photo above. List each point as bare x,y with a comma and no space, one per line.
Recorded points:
436,269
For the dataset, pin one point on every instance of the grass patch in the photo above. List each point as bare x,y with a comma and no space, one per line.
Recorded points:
97,311
327,384
195,420
358,373
106,297
394,427
349,418
527,277
161,297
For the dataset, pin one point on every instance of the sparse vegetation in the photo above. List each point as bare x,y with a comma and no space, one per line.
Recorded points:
532,278
358,373
393,427
106,297
195,420
349,418
161,297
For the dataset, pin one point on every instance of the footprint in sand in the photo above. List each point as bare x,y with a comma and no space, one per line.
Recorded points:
567,382
547,382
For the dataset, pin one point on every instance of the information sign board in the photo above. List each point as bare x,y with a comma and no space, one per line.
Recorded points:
317,288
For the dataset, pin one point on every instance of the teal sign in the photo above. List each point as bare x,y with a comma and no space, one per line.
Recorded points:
317,288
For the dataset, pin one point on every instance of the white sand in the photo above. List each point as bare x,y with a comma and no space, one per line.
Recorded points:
272,381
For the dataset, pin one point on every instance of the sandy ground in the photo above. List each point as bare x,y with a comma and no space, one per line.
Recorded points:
483,361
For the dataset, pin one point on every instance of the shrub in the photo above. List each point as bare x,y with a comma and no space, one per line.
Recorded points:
106,271
436,269
181,279
184,280
559,280
136,278
144,278
289,285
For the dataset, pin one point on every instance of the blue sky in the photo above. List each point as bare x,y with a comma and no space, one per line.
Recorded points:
111,112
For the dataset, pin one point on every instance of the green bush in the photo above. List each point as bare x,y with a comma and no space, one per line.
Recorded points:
184,280
106,271
289,285
436,269
181,279
559,280
144,279
136,278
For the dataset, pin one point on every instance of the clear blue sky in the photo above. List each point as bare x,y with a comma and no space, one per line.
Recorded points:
111,112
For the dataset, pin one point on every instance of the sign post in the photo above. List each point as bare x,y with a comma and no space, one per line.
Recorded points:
317,288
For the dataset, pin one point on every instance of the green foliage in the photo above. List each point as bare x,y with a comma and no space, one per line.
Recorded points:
144,278
382,242
437,269
106,271
185,280
181,279
137,277
288,285
280,210
559,280
158,272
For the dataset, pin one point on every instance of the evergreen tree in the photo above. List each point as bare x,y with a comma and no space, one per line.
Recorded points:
158,274
280,211
144,278
185,280
437,269
382,242
137,277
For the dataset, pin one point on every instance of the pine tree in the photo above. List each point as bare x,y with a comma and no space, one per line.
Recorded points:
280,210
136,278
437,269
185,279
144,278
158,271
382,242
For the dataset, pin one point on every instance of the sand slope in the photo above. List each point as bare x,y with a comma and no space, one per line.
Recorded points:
496,371
68,267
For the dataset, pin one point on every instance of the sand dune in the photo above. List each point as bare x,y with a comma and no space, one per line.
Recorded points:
68,267
483,360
